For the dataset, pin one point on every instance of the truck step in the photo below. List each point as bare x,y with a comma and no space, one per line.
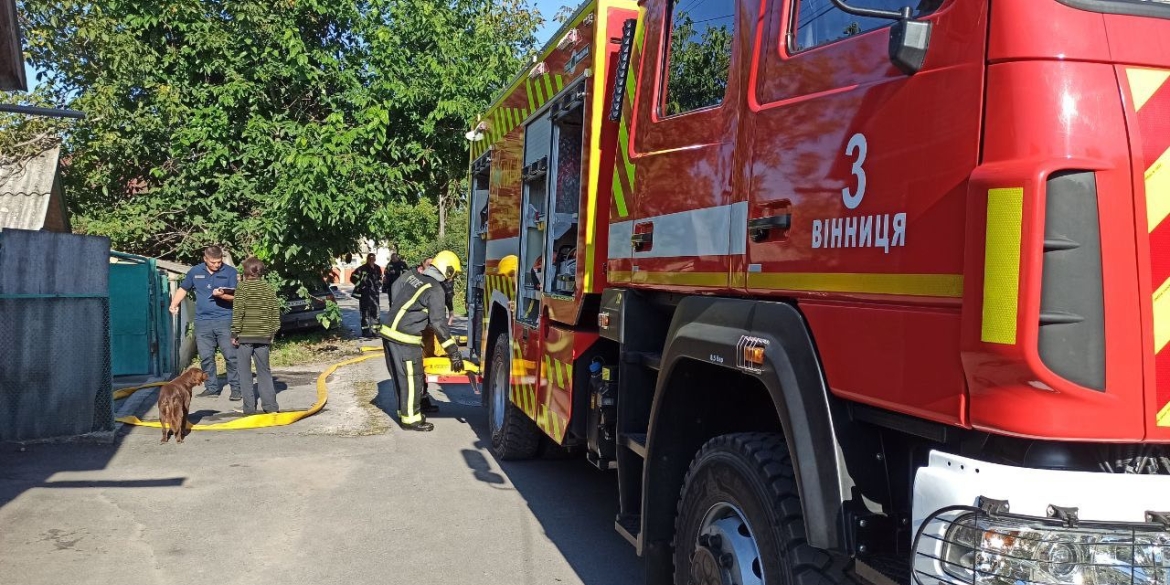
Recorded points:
883,570
636,443
629,527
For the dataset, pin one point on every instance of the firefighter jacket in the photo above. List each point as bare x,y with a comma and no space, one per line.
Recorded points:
418,302
368,280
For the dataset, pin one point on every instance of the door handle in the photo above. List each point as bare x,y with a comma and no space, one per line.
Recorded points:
644,238
641,240
759,228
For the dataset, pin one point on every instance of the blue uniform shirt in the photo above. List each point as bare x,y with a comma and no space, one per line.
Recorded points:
201,282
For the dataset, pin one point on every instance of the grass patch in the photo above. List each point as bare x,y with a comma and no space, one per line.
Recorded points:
314,346
377,422
301,348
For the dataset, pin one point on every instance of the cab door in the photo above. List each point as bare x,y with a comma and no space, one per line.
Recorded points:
858,192
685,125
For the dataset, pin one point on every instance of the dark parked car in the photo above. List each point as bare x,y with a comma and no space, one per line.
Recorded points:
300,314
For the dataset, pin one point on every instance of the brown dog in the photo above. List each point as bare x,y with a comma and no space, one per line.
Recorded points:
174,403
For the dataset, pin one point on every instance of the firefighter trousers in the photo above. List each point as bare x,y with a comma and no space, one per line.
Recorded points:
368,308
405,363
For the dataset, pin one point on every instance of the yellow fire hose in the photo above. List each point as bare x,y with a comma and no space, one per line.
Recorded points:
255,421
434,366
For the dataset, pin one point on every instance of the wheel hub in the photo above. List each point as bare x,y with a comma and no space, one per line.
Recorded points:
499,397
726,552
705,569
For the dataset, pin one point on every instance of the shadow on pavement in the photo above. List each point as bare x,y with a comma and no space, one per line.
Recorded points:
28,467
574,502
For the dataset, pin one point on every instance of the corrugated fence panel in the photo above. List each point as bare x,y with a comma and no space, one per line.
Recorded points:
54,335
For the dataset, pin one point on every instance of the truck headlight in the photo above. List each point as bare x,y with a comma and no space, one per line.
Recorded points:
971,546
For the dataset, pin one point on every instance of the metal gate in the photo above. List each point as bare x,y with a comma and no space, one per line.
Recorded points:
54,335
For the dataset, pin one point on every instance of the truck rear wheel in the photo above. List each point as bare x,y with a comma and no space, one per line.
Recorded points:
514,435
739,519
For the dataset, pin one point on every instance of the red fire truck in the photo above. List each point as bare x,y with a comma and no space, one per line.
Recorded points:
842,288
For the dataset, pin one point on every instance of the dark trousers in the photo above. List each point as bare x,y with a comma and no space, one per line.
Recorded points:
208,336
368,305
405,363
258,351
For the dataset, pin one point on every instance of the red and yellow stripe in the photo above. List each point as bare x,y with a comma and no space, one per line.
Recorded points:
624,171
1151,101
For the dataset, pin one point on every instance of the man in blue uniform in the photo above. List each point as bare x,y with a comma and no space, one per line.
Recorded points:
213,283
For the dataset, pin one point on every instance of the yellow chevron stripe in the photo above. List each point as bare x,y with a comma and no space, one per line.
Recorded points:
548,87
560,82
618,194
623,141
1143,83
1158,191
1164,416
531,95
1162,316
561,375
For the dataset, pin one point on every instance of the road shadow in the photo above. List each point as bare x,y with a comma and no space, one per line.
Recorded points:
574,502
25,467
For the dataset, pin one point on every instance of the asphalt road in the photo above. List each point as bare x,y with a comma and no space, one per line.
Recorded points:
342,497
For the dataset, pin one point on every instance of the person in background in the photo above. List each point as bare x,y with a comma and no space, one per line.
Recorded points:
395,268
213,284
367,281
255,321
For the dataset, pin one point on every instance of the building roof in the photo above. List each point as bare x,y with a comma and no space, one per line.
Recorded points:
26,191
11,53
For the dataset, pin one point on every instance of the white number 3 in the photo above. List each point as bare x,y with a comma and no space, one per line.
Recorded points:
859,144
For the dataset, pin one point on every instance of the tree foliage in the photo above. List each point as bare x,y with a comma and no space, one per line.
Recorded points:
289,129
700,59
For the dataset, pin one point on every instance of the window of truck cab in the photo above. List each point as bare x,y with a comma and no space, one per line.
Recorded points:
817,23
696,63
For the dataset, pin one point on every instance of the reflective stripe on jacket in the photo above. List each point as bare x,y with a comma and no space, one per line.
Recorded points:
418,302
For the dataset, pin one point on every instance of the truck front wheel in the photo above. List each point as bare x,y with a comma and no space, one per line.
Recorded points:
739,519
514,435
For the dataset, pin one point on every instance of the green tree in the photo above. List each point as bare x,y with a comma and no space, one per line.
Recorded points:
290,129
700,60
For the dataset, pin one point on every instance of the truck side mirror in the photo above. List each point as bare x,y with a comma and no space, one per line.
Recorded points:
908,42
909,38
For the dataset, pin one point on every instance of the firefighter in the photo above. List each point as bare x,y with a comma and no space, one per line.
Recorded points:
367,281
418,302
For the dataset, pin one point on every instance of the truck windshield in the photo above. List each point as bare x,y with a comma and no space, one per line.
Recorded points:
1155,8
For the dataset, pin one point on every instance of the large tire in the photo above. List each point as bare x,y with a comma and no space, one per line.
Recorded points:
514,435
741,489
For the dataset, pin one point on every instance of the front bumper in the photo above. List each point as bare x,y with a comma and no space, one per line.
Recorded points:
978,522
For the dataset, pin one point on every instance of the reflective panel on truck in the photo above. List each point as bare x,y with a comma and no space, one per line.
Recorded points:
1151,97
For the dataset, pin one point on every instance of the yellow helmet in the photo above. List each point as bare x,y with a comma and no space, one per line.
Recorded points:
447,263
508,265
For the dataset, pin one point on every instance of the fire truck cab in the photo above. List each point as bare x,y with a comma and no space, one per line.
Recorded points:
841,289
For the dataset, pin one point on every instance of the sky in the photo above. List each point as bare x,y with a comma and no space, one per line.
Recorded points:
549,8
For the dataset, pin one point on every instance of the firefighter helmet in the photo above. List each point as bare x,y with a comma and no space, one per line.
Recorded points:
447,263
508,265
